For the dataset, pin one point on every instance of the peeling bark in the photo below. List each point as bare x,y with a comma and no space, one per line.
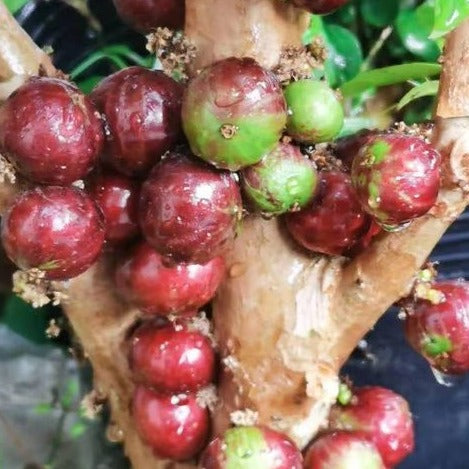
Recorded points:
285,320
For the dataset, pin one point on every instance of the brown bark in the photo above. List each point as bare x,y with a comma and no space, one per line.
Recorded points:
286,320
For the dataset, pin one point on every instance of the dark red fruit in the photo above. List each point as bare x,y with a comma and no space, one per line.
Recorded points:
397,178
50,131
320,7
233,113
384,417
56,229
175,427
117,196
188,210
373,231
343,450
334,222
172,359
251,448
143,117
157,288
348,147
145,15
440,332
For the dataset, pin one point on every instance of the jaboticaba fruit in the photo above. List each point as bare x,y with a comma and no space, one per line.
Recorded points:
343,450
381,415
189,210
117,197
58,230
438,328
320,7
145,15
347,148
315,113
283,180
50,131
172,358
142,109
175,427
334,221
233,113
249,448
397,178
159,289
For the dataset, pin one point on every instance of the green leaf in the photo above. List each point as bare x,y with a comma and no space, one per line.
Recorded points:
43,409
448,15
379,13
345,55
389,76
77,429
414,28
353,125
428,88
345,16
95,58
15,5
25,320
315,29
88,84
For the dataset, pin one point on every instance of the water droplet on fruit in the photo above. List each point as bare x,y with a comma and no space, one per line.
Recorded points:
446,380
395,228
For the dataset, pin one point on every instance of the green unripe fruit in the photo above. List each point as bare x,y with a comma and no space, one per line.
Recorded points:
233,113
251,448
284,180
315,114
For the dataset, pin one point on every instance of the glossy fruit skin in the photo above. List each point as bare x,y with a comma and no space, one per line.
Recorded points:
57,229
117,196
334,222
240,95
157,288
51,131
343,450
320,7
251,448
282,181
440,332
142,109
189,211
175,427
172,359
382,416
397,178
348,147
145,15
315,114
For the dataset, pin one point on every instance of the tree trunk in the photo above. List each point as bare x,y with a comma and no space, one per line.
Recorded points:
285,320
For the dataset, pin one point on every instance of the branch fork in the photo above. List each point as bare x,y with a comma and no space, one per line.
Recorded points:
285,321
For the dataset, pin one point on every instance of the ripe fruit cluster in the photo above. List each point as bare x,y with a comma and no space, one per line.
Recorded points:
174,211
374,430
